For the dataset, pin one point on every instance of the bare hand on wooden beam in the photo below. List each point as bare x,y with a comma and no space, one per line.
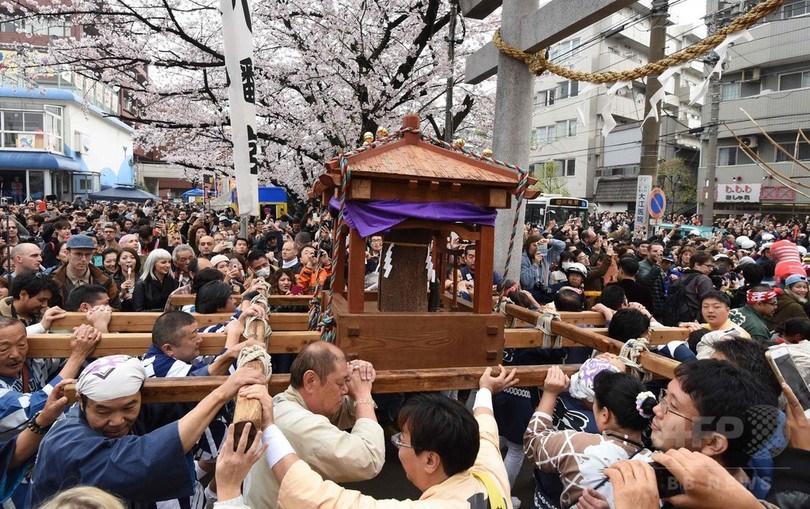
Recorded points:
250,411
259,394
234,462
496,384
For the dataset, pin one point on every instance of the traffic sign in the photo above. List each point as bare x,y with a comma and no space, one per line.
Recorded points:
657,204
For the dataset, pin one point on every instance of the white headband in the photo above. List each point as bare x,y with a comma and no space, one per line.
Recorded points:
111,377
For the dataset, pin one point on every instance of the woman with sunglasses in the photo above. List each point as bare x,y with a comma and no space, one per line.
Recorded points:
622,409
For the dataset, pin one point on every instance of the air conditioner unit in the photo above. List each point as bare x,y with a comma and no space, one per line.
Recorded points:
749,141
81,143
751,74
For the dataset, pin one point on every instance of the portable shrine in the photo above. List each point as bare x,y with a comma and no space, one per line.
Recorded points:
415,191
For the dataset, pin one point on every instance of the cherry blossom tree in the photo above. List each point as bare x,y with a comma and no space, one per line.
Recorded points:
326,72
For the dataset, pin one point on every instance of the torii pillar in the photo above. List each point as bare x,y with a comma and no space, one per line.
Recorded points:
530,29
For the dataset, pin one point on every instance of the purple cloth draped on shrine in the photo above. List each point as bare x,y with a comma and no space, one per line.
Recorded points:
376,216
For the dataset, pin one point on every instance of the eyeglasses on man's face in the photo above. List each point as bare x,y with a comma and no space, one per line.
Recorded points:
662,400
396,439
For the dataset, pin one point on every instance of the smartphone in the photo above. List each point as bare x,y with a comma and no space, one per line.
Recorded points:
786,371
98,261
235,265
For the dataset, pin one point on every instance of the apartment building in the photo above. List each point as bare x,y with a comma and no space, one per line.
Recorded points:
568,120
768,78
58,132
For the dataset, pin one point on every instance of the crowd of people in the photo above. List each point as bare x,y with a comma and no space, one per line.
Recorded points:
597,436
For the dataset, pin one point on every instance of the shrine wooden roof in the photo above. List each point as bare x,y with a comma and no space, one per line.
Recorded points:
412,158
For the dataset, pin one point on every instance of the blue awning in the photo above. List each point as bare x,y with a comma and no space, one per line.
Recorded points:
25,160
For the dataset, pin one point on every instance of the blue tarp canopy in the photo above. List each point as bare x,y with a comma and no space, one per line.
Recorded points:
25,160
123,193
272,195
197,192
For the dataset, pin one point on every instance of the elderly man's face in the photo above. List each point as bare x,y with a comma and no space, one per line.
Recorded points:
330,391
113,418
13,349
182,259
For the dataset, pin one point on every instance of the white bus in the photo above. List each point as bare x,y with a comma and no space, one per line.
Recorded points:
541,210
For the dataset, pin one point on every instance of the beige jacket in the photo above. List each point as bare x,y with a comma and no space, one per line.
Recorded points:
303,488
335,454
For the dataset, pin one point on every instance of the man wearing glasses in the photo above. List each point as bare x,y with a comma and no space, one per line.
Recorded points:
449,454
80,271
706,408
326,395
760,302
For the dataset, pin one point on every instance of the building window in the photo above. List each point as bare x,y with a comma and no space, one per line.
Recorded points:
566,128
567,89
32,129
794,80
36,184
565,167
739,89
730,91
542,135
731,156
565,49
790,148
547,97
793,8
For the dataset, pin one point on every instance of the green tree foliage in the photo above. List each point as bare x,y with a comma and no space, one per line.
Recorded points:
549,180
679,184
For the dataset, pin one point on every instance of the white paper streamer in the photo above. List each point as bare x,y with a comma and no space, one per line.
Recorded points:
429,266
582,117
667,75
697,94
607,118
588,89
722,49
387,265
618,86
655,101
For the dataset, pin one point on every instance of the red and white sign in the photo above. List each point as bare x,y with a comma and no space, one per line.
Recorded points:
738,193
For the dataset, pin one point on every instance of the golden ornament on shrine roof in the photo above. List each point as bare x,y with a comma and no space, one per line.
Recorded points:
382,132
458,143
487,152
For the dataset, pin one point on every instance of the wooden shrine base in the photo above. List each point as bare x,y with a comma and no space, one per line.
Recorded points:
419,340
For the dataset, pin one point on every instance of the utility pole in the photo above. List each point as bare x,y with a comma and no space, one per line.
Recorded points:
650,131
449,128
711,149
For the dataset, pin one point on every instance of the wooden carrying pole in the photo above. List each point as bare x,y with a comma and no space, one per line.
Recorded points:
195,388
250,410
654,363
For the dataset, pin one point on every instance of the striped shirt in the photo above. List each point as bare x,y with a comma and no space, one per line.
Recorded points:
17,407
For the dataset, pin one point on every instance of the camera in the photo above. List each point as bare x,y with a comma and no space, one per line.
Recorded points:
717,277
668,484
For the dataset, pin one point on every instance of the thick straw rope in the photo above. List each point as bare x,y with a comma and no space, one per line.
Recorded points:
538,63
255,353
630,354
